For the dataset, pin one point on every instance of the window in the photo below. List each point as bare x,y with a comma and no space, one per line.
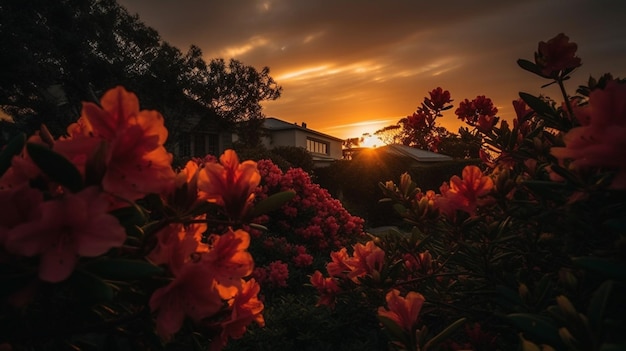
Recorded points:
184,145
317,146
199,145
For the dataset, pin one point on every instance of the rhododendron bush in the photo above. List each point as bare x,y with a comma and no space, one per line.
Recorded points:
526,251
103,245
102,241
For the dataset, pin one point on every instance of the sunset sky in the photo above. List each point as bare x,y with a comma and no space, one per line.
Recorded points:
348,67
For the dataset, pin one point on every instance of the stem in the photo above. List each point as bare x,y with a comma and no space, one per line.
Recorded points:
567,102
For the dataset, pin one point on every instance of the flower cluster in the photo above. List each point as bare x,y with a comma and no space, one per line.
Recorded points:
534,236
318,221
103,206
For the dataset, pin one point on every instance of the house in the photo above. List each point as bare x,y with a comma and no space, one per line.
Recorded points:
200,137
417,155
324,148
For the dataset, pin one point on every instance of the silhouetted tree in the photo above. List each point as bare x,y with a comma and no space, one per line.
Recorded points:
57,54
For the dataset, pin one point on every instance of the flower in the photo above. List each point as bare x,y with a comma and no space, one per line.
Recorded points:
464,193
471,111
246,308
367,259
229,261
230,184
556,55
439,98
71,226
134,159
278,273
599,142
404,311
191,294
326,287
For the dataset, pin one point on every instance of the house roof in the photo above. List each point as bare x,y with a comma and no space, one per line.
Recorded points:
275,124
416,154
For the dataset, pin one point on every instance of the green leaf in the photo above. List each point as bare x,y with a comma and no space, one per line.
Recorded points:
444,334
597,304
530,67
14,147
612,270
395,332
272,203
90,287
130,216
56,166
537,328
122,269
538,105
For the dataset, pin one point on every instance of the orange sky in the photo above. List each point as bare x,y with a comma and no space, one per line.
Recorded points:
348,67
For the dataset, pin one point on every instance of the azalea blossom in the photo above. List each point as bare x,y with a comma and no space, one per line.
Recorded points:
327,288
246,308
403,311
127,143
230,183
191,294
70,226
229,261
556,55
439,98
465,193
599,142
367,259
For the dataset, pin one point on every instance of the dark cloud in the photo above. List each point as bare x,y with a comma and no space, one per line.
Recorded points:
355,61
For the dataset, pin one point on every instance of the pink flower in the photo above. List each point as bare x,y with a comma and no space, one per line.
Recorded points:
191,294
600,142
557,55
230,183
404,311
18,206
133,159
278,273
71,226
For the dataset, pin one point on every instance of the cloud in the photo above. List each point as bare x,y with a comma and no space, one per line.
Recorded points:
345,61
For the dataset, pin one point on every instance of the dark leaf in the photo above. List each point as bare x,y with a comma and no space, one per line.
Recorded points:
56,166
122,269
272,203
14,147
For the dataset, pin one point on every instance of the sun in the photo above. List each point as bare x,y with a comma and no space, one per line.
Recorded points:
371,141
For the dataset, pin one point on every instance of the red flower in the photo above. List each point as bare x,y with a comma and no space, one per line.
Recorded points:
71,226
191,294
327,288
439,98
246,308
230,184
556,56
600,142
471,111
134,160
404,311
464,193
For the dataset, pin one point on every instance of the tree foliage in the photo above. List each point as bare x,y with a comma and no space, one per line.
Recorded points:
57,54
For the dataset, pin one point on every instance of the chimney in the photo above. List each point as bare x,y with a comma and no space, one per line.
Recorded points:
303,124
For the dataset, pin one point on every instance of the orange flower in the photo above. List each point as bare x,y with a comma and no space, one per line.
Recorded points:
134,159
71,226
404,311
464,194
367,259
246,308
229,261
340,265
176,244
230,184
327,288
191,294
